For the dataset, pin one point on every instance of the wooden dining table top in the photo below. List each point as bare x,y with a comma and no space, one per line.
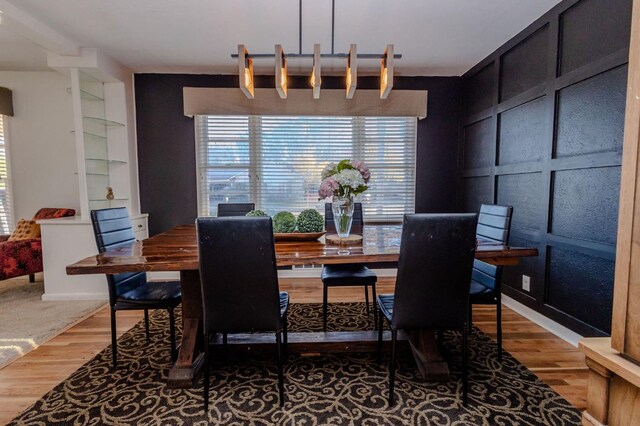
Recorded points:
177,250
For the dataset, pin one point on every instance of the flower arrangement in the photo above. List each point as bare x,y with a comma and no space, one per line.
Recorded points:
344,179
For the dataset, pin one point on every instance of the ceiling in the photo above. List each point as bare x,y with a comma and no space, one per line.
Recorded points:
435,37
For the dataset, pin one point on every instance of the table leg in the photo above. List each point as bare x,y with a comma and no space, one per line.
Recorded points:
431,364
185,371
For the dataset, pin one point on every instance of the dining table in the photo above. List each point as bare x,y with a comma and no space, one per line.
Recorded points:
177,250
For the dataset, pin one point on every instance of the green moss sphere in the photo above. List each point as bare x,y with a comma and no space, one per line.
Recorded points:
259,213
284,222
310,221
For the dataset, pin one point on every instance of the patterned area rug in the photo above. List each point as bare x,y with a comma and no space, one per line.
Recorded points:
336,389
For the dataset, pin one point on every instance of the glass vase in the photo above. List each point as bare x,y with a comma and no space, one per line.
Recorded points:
343,214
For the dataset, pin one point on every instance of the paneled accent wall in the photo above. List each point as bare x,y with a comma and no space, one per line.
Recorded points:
542,131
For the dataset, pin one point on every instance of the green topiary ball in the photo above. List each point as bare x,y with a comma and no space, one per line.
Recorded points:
310,221
284,222
259,213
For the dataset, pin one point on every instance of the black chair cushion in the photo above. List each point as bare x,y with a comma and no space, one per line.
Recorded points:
481,294
161,293
346,275
284,302
385,302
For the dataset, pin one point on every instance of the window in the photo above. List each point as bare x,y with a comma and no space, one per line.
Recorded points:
6,207
276,162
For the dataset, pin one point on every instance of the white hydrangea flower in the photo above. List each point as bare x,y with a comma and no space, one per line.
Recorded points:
351,178
328,170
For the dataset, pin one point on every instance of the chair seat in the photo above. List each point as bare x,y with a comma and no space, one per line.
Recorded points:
478,293
385,302
346,275
284,302
161,293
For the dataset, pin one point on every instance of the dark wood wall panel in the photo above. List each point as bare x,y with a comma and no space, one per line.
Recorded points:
477,190
593,29
524,193
582,286
584,206
479,91
590,116
522,133
477,143
521,67
551,142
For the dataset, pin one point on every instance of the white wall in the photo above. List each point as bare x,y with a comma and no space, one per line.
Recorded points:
42,150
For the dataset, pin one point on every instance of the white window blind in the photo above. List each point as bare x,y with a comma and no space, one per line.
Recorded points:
276,162
6,206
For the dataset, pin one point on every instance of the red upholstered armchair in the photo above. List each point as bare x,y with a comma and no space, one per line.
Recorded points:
24,257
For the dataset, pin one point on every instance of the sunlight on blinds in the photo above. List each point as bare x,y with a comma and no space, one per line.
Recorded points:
275,162
6,208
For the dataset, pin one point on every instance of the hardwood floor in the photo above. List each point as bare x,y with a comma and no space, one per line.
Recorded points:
27,379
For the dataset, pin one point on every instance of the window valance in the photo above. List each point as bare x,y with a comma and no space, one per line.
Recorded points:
6,102
299,102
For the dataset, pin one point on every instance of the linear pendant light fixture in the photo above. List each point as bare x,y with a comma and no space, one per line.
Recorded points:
245,71
245,65
386,72
352,71
316,77
281,72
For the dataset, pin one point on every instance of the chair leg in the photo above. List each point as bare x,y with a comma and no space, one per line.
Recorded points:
32,278
392,364
375,310
366,297
285,338
206,373
324,307
146,323
499,324
114,340
380,326
465,365
280,372
172,334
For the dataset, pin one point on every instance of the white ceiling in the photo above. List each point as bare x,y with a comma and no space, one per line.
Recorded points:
435,37
19,54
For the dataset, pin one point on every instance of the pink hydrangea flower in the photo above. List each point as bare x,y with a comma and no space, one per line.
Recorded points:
327,188
363,169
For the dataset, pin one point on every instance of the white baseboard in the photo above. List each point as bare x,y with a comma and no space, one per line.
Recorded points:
163,276
315,273
58,297
548,324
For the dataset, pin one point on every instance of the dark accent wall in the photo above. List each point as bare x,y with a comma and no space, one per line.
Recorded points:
166,141
542,131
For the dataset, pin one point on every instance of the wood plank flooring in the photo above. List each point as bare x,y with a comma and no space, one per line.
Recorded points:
27,379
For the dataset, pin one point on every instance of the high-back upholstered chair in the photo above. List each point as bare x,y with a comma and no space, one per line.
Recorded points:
348,274
234,209
494,226
24,257
131,291
432,287
239,282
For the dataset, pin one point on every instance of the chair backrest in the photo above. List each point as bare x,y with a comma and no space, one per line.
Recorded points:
53,213
112,229
234,209
238,274
494,226
356,226
434,271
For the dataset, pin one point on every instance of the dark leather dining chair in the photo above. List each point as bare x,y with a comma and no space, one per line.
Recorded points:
234,209
239,284
494,226
130,290
432,285
347,274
